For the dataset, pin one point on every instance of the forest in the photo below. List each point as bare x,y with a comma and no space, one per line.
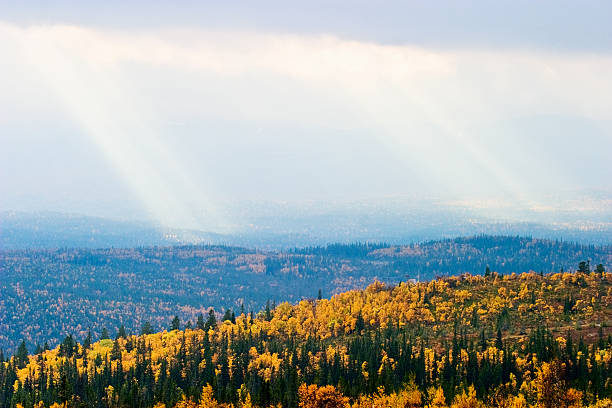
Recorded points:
46,295
499,340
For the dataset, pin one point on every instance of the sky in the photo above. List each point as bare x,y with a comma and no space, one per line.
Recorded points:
170,112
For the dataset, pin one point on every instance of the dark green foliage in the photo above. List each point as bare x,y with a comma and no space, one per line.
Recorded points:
175,324
104,334
87,341
211,323
568,304
121,333
146,328
200,322
267,311
584,267
68,347
115,353
21,357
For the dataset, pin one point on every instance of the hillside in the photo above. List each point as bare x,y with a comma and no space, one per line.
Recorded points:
517,340
48,294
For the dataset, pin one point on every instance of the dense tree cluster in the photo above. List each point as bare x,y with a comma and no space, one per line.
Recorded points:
47,294
461,341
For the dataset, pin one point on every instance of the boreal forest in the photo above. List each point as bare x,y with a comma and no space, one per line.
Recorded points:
47,294
526,339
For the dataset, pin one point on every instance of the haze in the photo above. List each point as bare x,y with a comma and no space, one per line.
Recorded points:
170,114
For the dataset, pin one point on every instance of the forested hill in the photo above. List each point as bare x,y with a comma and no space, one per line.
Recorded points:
47,294
517,341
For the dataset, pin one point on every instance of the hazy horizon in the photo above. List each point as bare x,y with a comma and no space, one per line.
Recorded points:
188,116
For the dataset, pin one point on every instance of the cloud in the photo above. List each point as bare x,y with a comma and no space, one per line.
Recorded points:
152,99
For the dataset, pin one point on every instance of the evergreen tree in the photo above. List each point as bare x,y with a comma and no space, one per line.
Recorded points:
146,328
21,358
104,334
498,340
211,323
584,267
268,312
116,350
121,333
175,324
87,341
200,323
359,323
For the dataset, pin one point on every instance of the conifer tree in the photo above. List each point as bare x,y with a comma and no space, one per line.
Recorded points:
211,323
121,333
21,357
104,334
175,324
200,323
146,328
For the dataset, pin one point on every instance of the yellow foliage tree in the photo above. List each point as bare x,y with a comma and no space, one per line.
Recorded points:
312,396
467,400
206,399
438,400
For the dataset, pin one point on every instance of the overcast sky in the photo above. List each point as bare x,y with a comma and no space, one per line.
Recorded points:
174,111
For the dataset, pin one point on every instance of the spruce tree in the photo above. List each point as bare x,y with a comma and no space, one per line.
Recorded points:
21,358
200,323
104,334
211,323
175,324
87,341
146,328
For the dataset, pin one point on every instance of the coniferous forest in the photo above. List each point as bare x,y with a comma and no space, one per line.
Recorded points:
498,340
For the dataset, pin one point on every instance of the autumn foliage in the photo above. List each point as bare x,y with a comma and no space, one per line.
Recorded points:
525,340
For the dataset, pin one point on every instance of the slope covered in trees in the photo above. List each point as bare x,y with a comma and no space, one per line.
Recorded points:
517,340
47,294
